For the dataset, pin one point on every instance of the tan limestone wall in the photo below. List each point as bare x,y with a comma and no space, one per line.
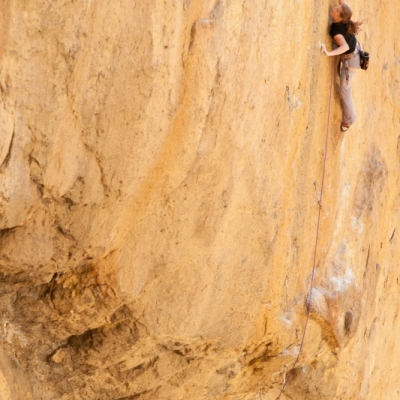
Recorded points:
161,164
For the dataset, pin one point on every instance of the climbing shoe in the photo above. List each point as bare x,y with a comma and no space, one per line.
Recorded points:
344,127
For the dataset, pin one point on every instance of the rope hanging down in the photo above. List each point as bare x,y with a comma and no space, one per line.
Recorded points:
285,381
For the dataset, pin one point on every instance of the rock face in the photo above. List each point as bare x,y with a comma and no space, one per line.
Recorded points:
160,174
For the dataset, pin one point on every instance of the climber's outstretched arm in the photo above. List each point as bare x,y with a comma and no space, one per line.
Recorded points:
342,46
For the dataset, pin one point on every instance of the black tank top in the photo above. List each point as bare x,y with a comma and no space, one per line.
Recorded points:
338,28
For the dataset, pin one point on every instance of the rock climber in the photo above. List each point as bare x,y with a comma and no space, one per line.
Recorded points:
343,31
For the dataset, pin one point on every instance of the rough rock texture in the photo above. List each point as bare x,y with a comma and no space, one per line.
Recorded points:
160,167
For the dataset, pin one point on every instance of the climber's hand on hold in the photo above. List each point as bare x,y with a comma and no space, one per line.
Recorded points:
323,48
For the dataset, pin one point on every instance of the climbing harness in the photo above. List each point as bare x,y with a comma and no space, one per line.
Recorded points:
309,296
344,59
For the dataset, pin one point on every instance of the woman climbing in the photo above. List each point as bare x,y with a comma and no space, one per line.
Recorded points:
343,31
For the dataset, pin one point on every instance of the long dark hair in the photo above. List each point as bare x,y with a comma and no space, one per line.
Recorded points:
352,27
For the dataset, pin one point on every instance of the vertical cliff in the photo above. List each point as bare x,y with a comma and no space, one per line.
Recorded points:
160,175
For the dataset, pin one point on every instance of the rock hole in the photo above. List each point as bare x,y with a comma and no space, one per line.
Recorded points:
348,321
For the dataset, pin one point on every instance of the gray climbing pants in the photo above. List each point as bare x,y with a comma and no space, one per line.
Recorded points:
346,79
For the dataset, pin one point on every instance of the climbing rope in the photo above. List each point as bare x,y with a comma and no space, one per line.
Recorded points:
309,296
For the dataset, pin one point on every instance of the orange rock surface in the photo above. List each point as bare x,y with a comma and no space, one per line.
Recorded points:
161,169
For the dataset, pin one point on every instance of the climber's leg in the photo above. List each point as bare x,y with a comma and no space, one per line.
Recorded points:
346,80
348,110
